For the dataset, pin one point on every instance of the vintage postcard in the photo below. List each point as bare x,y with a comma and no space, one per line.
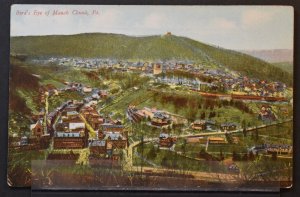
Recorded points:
151,97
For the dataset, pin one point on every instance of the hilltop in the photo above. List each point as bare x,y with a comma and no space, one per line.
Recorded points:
150,48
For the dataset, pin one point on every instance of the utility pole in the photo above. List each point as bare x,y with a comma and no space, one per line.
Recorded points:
46,113
142,159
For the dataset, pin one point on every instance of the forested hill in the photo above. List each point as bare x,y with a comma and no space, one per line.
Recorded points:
145,48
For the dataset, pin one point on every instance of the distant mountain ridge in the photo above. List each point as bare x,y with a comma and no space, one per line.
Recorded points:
147,48
272,56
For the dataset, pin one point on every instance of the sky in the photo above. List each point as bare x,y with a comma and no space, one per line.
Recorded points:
231,27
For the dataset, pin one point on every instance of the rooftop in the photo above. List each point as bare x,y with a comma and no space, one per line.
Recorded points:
98,143
114,135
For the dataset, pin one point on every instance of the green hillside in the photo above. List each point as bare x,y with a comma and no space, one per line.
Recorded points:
145,48
22,96
287,66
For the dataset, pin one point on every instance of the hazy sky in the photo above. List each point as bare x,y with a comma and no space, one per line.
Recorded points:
233,27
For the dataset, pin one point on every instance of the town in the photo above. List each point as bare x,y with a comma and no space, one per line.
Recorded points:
93,128
186,73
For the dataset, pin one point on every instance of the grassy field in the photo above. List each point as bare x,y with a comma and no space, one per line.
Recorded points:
168,159
126,98
56,100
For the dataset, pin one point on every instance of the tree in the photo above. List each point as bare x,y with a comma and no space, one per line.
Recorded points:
256,134
235,156
174,161
244,132
251,156
229,138
221,155
183,147
152,153
203,115
164,161
245,157
274,156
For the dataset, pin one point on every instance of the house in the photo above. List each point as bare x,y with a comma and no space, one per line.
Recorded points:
228,126
71,114
161,119
69,141
95,97
77,126
69,108
217,140
92,117
37,129
87,89
191,140
75,119
157,69
134,114
166,141
279,149
148,112
98,147
103,94
199,125
76,136
266,113
109,127
115,140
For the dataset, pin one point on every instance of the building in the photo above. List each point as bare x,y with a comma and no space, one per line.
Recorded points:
166,141
87,89
103,94
217,140
92,117
70,133
168,33
266,113
95,121
228,126
37,129
71,107
199,125
98,147
191,140
74,139
115,140
68,141
134,114
157,69
109,127
161,119
72,114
